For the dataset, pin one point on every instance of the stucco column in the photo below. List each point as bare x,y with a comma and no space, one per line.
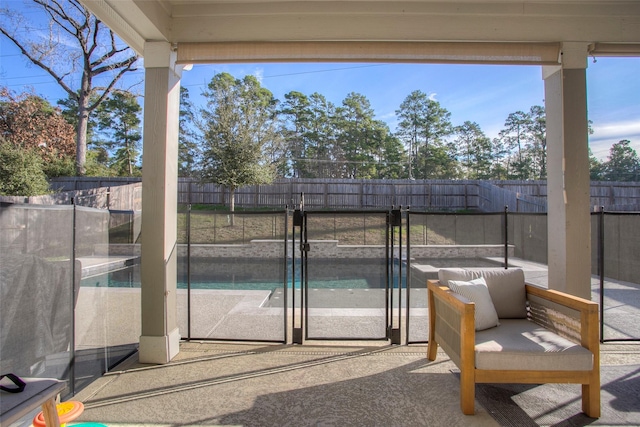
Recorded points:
569,226
160,338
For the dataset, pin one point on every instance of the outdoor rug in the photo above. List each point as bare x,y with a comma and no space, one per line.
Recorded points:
525,405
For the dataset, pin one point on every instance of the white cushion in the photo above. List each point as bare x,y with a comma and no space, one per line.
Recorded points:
477,291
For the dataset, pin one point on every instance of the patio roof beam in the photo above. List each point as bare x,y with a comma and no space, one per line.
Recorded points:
615,49
396,52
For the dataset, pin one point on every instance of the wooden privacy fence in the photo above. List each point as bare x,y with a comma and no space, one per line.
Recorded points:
119,197
431,195
339,194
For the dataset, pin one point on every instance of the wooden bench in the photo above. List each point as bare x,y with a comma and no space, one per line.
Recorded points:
555,339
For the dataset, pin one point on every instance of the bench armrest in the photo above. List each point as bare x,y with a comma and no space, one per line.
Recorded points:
451,325
558,308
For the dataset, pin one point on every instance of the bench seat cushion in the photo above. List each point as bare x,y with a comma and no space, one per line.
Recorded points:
521,344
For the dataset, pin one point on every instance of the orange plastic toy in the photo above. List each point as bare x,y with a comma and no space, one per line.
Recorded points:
67,411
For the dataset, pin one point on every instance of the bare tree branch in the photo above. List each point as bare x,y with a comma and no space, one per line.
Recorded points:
109,88
75,37
38,62
110,67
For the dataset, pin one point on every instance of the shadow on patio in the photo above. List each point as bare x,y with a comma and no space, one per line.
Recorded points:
274,385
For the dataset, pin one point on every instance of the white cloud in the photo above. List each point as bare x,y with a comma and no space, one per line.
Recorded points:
259,74
605,135
612,130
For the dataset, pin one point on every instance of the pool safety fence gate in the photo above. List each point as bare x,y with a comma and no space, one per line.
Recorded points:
361,274
310,275
347,296
233,275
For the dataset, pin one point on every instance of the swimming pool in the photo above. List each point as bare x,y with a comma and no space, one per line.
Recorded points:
268,274
256,274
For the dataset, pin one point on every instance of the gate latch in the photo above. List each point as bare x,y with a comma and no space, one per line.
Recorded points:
297,218
395,218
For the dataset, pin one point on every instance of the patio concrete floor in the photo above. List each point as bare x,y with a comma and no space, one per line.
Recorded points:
221,384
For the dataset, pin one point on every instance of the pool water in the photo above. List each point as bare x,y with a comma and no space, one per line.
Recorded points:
107,280
265,274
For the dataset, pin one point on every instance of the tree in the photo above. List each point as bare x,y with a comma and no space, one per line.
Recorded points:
474,150
323,150
69,110
32,124
119,122
296,110
423,126
188,149
392,158
78,48
21,171
596,168
98,163
360,136
623,163
501,159
411,114
514,136
240,119
537,136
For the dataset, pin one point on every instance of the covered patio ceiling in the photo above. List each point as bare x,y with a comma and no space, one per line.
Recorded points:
494,31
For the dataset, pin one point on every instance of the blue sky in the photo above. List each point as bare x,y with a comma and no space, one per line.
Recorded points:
485,94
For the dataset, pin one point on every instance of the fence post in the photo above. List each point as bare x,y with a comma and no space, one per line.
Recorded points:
408,275
612,199
506,237
256,196
189,267
601,268
326,195
74,296
466,197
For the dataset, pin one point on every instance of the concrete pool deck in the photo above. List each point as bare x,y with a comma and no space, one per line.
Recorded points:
334,313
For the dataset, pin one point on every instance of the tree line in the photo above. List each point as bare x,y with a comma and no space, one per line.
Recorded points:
243,135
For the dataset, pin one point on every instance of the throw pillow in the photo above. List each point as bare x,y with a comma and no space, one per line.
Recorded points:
478,292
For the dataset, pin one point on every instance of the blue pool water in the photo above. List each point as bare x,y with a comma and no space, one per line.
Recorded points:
111,280
257,274
265,274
